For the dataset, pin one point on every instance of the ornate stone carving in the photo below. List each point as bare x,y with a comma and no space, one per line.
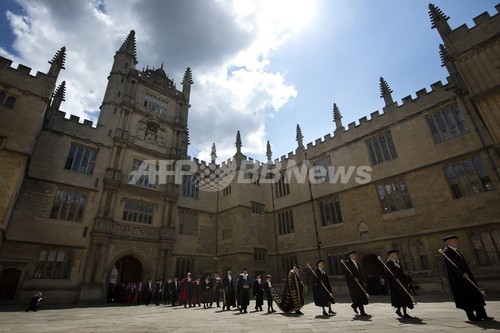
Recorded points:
131,230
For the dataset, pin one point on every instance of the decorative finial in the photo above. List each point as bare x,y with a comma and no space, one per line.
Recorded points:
57,62
213,153
299,137
128,46
337,117
439,20
238,142
269,153
444,55
385,92
58,96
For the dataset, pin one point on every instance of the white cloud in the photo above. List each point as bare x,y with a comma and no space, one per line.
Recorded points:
226,43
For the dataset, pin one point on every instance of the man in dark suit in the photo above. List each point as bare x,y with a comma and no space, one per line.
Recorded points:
355,281
467,296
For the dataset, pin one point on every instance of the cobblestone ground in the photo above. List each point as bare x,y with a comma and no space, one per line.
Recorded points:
433,313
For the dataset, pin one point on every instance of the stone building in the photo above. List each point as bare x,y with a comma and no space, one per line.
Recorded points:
81,211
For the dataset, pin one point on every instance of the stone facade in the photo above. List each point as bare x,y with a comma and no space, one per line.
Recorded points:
75,219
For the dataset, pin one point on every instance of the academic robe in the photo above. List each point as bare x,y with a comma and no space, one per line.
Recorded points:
320,294
228,288
466,296
358,296
399,298
258,293
244,287
293,294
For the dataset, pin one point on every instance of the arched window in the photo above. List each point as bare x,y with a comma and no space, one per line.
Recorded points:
485,250
9,102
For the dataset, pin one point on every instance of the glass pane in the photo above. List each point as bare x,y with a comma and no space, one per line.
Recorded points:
385,149
458,119
435,133
452,126
442,126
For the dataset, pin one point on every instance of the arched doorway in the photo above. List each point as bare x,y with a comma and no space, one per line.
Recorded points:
126,270
372,270
8,283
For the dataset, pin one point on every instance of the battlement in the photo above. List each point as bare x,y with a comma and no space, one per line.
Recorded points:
60,115
21,69
485,27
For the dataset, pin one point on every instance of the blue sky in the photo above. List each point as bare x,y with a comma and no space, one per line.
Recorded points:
260,67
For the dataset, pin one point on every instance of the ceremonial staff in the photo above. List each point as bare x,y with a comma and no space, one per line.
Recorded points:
472,282
397,280
357,281
328,291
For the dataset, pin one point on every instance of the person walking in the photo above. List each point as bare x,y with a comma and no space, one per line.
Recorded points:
396,279
322,291
355,281
269,296
463,284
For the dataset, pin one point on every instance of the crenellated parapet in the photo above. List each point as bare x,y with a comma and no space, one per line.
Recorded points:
465,38
20,78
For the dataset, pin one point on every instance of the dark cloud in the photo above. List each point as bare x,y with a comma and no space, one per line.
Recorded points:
190,33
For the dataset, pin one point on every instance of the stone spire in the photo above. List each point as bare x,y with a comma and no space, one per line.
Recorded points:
299,138
57,62
439,21
238,143
269,153
213,153
337,117
128,46
385,92
187,81
58,96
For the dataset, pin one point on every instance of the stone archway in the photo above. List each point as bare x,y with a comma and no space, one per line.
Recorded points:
127,269
372,271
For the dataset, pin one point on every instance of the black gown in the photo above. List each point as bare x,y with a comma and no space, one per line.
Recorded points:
399,297
321,295
358,296
466,296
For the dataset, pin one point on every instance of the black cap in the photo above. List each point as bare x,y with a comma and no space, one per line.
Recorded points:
449,237
351,252
317,262
268,276
297,266
392,251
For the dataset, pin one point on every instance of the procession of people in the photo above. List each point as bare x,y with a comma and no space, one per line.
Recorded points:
235,293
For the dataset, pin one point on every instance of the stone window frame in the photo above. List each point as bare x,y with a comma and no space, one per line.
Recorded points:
381,148
285,222
446,124
53,264
393,195
467,177
67,201
336,214
81,158
137,211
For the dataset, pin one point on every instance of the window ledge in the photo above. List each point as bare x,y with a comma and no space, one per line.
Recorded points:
398,214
